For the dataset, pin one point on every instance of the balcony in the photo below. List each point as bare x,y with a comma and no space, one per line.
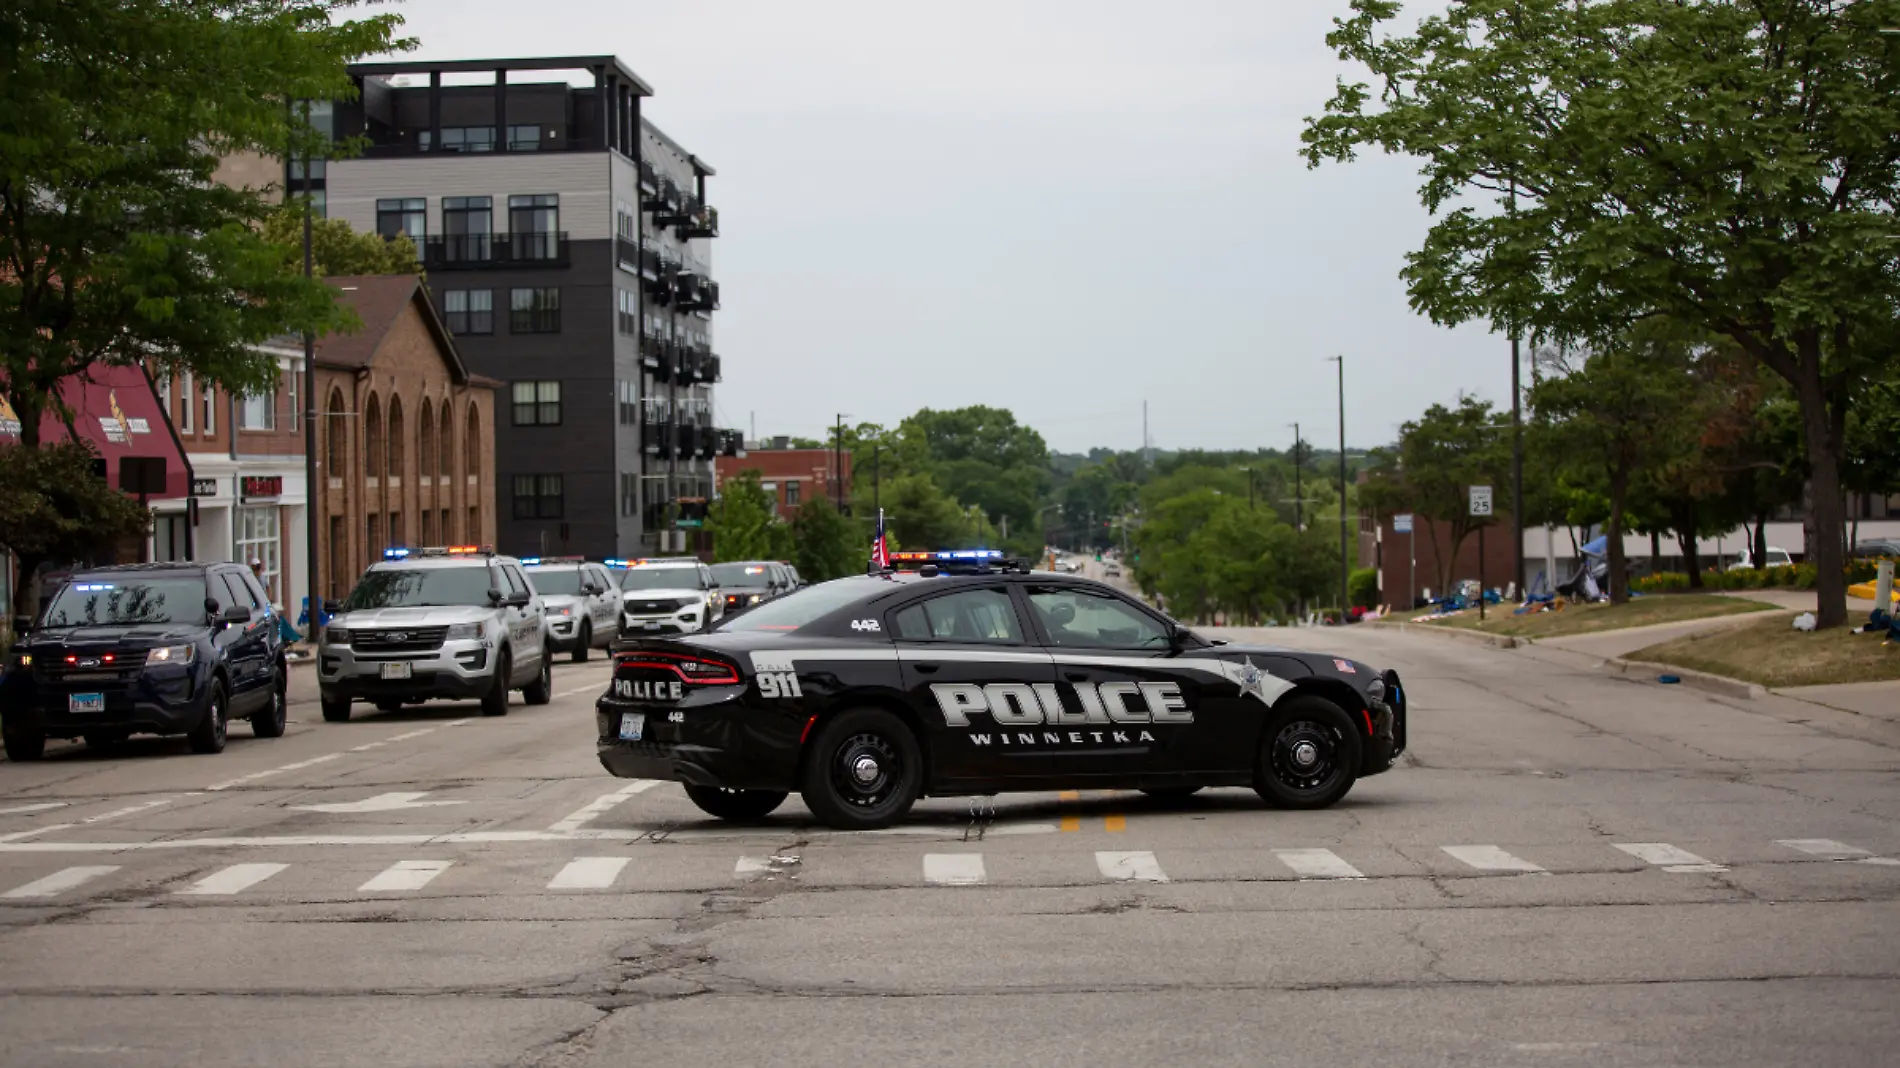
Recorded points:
447,252
696,292
664,362
688,439
657,438
397,144
665,200
700,364
687,209
731,443
713,373
659,284
649,180
652,350
701,222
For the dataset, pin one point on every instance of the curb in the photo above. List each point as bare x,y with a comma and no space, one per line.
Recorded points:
1498,641
1699,680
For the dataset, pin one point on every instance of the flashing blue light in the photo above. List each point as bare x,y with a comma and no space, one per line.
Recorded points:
92,587
395,554
610,562
975,554
530,560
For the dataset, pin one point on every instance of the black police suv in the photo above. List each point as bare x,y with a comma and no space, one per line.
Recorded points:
866,693
146,649
745,583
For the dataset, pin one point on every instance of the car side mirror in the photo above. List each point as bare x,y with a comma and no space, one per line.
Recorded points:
22,624
1177,637
332,607
236,613
518,600
591,590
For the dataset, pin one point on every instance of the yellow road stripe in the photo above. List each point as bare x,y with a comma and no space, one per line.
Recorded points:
1071,823
1116,823
1070,795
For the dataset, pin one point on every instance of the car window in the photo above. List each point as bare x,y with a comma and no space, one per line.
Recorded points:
259,597
240,593
658,578
1085,619
706,578
549,581
796,609
601,578
123,599
516,583
416,587
979,615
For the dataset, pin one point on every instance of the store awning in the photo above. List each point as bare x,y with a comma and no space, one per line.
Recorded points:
116,409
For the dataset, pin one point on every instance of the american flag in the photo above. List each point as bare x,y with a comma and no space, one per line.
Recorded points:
880,552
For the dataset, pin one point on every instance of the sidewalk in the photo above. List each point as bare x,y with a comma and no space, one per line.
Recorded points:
1877,700
1609,644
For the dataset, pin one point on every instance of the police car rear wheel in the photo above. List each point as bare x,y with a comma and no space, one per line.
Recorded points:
1309,754
586,645
738,806
495,701
541,690
865,771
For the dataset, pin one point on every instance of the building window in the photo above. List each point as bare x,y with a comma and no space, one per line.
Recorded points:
395,440
468,224
258,412
537,496
474,523
534,311
187,400
395,529
291,387
407,215
374,544
445,527
629,313
629,403
319,202
445,456
211,410
469,311
791,495
524,138
258,539
428,527
460,139
537,404
535,222
629,493
624,224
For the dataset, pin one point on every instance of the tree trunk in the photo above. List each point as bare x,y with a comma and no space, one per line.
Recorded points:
1655,552
1684,519
1619,579
1761,539
26,590
1827,512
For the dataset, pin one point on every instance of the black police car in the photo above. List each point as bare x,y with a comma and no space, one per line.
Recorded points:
972,675
146,649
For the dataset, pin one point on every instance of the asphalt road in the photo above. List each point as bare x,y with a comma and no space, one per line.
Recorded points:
1569,869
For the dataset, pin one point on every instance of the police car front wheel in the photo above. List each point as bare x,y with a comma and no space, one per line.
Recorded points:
1309,754
739,806
864,770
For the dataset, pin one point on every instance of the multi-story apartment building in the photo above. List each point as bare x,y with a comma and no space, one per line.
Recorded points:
568,247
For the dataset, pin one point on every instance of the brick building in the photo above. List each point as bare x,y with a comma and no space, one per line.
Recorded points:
791,476
1415,558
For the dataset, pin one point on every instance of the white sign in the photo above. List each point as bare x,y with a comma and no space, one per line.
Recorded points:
1480,500
1402,524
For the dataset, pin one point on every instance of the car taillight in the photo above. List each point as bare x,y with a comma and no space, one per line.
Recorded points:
698,670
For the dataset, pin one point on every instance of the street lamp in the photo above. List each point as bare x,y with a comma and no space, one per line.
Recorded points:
1296,477
1345,566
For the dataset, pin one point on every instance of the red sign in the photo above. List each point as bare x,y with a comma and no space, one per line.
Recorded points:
252,487
114,408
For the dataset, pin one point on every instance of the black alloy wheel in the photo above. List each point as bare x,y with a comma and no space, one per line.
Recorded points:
864,770
541,690
495,701
335,710
208,735
23,745
1309,754
738,806
268,722
586,646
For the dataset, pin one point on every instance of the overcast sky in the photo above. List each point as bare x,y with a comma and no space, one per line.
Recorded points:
1063,207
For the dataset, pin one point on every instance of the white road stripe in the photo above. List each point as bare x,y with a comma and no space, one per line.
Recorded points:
405,875
60,881
409,735
1668,857
233,879
1137,866
41,807
128,810
598,807
17,835
954,869
579,689
1489,858
1824,847
589,873
256,775
1317,864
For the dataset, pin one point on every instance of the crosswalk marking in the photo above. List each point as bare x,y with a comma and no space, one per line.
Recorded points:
1668,857
588,873
233,879
60,881
954,869
573,821
1317,864
42,806
1490,858
1826,848
405,875
1137,867
752,867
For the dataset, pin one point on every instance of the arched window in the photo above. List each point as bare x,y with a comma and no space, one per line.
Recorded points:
373,437
472,443
425,441
395,440
336,430
446,455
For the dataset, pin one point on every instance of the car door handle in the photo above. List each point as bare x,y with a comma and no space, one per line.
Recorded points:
925,669
1076,676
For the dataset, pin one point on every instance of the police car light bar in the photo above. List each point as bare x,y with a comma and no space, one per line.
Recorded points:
949,554
395,554
613,562
439,550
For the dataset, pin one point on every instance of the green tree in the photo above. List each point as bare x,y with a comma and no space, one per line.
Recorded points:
54,505
1439,456
336,249
744,525
1725,163
116,247
824,545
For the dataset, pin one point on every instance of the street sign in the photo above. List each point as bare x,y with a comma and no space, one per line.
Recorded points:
1402,524
1480,501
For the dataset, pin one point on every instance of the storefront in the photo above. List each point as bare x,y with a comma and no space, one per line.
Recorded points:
245,510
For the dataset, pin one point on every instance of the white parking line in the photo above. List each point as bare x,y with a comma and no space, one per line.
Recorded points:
1668,857
578,689
60,881
130,809
954,869
1490,858
256,775
17,835
1829,849
1133,866
1317,864
233,879
589,873
598,807
405,875
41,807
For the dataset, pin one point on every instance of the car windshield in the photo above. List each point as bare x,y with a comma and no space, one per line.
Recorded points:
661,578
797,608
115,599
552,580
419,587
739,574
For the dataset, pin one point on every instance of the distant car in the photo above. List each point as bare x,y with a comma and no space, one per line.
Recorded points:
1877,548
580,600
749,582
669,595
1113,570
1776,558
146,649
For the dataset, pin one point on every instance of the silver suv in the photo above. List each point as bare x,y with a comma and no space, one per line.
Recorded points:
670,595
435,623
581,602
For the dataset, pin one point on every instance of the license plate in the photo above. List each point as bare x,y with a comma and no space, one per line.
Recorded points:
86,702
632,726
397,671
651,624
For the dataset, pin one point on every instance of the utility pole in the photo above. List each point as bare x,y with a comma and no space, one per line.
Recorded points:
1517,450
1296,478
876,505
312,556
1147,458
837,456
1345,566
